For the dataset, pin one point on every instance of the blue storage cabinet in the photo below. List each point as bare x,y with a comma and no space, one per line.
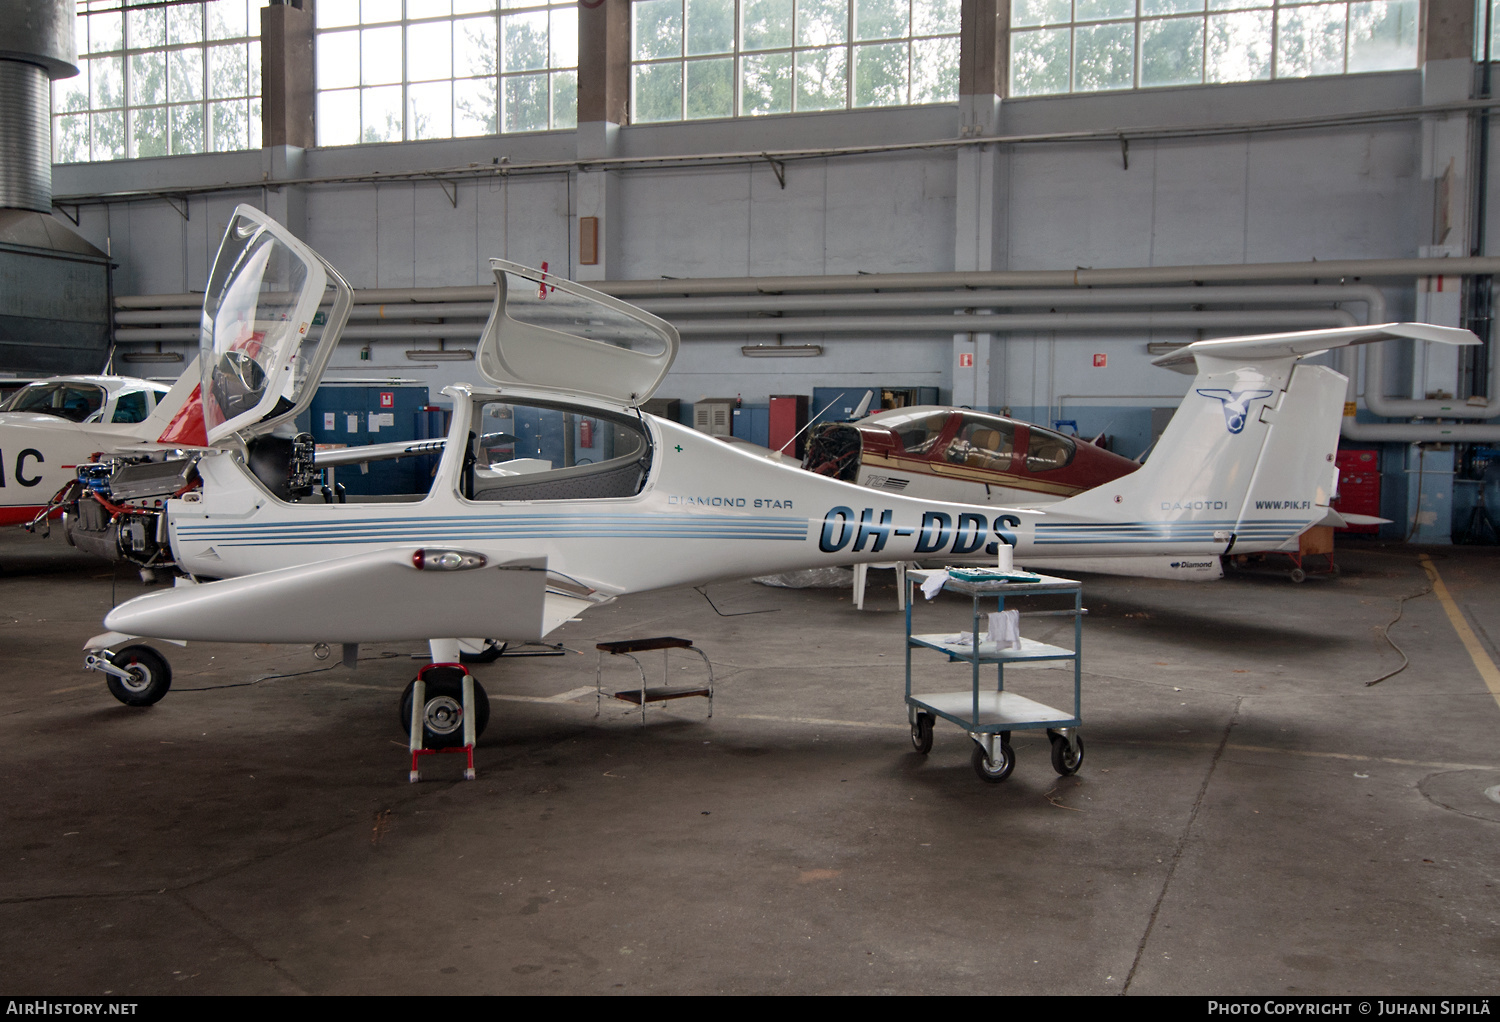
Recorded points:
353,415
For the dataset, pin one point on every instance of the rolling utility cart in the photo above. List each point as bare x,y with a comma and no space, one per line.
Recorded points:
990,715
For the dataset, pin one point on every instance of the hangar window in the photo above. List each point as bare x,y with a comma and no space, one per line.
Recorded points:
693,59
160,79
388,71
1059,46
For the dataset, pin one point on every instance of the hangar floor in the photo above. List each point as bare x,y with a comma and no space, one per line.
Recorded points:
1250,817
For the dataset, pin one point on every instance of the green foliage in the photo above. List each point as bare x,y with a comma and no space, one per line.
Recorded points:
710,88
658,92
880,74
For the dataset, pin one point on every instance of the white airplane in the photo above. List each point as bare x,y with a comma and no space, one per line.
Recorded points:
50,427
1246,464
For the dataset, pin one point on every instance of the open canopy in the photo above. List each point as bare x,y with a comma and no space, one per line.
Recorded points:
258,312
551,334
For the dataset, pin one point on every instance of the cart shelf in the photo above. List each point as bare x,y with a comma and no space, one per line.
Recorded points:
988,654
999,710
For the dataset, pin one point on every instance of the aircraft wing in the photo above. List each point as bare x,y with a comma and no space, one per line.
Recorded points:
369,597
1303,343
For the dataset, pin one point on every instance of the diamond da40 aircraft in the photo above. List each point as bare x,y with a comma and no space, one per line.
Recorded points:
511,550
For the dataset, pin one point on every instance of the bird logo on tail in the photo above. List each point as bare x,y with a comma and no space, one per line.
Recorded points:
1236,404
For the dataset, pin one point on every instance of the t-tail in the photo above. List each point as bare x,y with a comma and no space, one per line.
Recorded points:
1247,462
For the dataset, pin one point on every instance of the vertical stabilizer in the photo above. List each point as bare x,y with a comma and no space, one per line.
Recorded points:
1248,460
1191,494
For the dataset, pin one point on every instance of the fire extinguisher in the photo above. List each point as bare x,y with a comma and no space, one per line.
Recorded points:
586,433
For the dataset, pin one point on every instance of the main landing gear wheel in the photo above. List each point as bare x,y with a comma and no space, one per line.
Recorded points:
1066,757
443,716
996,770
1298,575
150,676
921,733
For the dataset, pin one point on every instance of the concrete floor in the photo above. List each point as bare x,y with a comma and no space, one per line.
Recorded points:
1250,817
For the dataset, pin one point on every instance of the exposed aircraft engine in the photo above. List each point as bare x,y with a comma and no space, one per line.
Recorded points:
833,450
115,508
285,467
116,512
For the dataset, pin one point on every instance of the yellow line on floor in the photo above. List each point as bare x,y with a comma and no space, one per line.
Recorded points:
1482,662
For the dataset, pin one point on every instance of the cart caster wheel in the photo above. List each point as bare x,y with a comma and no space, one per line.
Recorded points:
1333,569
1066,758
1298,575
150,676
997,770
921,733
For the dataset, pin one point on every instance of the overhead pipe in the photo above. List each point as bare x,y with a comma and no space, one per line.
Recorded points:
363,311
902,301
1010,323
1343,269
1445,408
1369,295
929,326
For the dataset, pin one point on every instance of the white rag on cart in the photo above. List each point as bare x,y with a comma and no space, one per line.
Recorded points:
934,583
1003,629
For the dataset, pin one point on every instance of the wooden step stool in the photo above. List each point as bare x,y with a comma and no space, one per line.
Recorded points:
648,694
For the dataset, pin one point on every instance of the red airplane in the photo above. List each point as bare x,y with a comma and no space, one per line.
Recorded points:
962,456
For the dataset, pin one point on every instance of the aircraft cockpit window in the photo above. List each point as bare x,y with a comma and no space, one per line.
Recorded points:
130,407
985,443
919,433
1047,450
259,307
72,401
538,452
546,305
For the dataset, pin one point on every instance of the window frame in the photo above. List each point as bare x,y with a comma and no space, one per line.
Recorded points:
490,84
466,485
129,110
738,53
1274,63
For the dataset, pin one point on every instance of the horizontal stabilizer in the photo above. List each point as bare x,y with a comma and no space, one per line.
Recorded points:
1302,343
1344,519
368,597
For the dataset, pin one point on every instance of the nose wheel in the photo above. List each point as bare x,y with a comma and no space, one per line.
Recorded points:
136,675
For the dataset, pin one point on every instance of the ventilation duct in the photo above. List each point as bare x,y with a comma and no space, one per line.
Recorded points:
54,285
